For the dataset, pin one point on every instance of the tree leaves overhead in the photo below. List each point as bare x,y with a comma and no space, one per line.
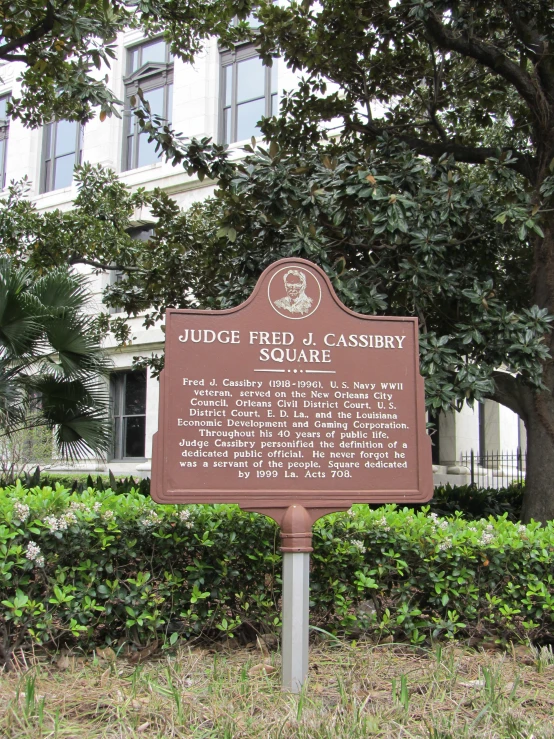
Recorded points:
67,47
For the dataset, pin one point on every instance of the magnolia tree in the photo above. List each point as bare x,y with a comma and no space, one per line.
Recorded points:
415,162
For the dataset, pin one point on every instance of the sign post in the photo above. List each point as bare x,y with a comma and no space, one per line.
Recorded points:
294,406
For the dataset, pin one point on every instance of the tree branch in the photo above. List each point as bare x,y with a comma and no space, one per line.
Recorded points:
34,34
535,46
16,58
103,267
510,392
524,163
490,57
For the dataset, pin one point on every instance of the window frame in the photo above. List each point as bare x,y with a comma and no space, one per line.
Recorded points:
4,136
147,76
232,58
47,175
118,385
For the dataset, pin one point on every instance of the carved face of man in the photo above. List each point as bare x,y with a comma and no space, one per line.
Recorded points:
293,287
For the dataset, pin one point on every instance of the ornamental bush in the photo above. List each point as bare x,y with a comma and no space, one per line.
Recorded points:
469,500
99,568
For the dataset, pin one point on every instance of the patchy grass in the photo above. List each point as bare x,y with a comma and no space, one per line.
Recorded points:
353,691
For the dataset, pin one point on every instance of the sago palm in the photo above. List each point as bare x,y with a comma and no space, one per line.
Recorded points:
52,367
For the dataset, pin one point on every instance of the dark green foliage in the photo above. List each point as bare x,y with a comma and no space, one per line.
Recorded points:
63,45
101,483
95,567
473,503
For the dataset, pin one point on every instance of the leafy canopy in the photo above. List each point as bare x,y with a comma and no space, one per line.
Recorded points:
67,47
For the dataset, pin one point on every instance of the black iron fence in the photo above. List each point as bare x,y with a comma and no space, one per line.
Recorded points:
495,469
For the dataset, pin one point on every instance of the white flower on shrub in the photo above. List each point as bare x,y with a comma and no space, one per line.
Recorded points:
76,506
446,544
383,523
184,516
21,511
152,519
33,554
79,507
108,515
359,545
487,536
56,524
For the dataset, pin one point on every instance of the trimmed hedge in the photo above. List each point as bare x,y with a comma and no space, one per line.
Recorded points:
77,482
103,568
473,502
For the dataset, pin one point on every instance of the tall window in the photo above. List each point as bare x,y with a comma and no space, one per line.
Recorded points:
248,92
4,132
150,68
62,150
128,394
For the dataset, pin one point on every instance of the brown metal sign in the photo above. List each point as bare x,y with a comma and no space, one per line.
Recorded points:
291,399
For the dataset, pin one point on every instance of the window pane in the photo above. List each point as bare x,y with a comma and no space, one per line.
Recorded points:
117,438
66,137
156,99
47,168
248,114
115,392
274,76
275,104
48,141
133,59
2,150
63,171
3,102
253,21
135,393
169,111
227,126
153,53
228,82
134,436
146,151
250,79
130,142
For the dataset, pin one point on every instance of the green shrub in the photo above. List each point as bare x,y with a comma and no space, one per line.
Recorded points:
469,500
78,482
474,502
102,568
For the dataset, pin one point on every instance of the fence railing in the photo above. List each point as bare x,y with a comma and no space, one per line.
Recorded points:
495,469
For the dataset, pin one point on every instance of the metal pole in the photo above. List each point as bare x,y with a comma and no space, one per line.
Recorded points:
296,545
296,619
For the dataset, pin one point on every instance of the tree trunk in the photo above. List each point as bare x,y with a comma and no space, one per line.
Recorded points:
538,500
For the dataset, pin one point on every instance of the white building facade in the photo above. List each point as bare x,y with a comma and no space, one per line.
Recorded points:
222,95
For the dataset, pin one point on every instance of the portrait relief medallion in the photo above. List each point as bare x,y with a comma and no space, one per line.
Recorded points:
294,292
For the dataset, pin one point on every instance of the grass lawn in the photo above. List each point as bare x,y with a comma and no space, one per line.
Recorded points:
353,691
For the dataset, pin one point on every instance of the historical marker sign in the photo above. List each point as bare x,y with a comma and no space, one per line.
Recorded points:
291,399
